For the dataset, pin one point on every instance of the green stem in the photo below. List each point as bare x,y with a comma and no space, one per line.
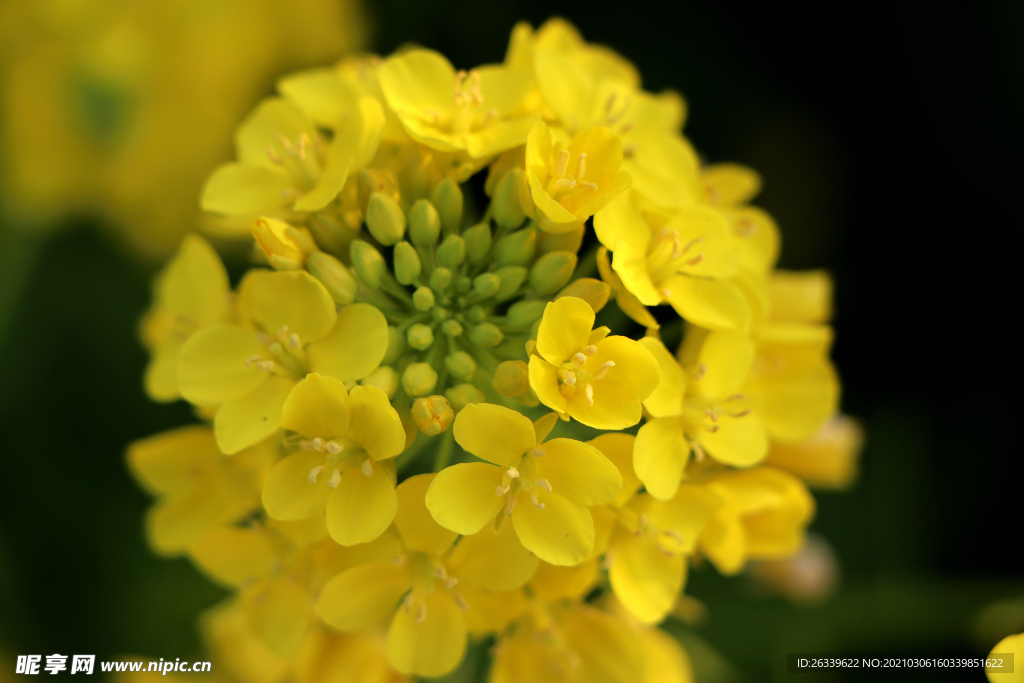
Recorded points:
444,451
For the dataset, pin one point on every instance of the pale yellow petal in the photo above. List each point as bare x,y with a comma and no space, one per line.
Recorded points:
419,530
659,456
317,406
293,302
247,420
667,398
288,492
564,329
212,365
354,347
463,497
561,533
645,580
364,595
492,559
375,425
494,433
618,448
579,471
430,642
361,507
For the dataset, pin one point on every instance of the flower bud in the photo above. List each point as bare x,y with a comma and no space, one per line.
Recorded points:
475,314
452,328
463,284
505,205
511,378
368,263
371,180
424,223
333,275
452,252
461,365
522,314
440,279
486,335
384,378
284,245
385,219
516,249
423,299
432,414
407,263
552,271
447,197
396,346
594,292
565,241
486,284
419,379
461,395
478,242
420,337
512,278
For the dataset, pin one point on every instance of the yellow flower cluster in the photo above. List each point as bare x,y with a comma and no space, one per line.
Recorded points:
395,460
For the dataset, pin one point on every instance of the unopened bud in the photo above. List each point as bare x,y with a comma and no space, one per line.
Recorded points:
333,275
463,284
511,378
486,284
420,337
368,263
424,223
447,197
432,414
512,277
516,249
384,378
423,299
419,379
440,279
505,205
552,271
371,180
396,346
475,314
407,263
461,395
560,241
461,365
285,246
486,335
594,292
478,242
522,314
452,328
452,252
385,219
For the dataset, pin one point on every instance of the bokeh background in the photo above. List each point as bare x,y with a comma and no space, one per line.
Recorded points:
889,139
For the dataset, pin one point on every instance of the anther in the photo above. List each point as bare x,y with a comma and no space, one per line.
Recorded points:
695,260
306,445
561,163
334,448
264,338
450,582
421,613
319,444
745,227
588,391
739,414
544,484
293,342
272,155
610,103
367,468
712,415
699,372
581,165
334,480
253,360
579,359
698,452
512,473
510,505
674,535
590,187
563,184
536,452
626,128
588,350
284,142
603,370
536,503
440,573
570,378
502,490
314,472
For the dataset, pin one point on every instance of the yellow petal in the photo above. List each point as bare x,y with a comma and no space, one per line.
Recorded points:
494,433
232,556
174,523
360,508
711,239
491,611
564,329
375,425
355,347
726,357
739,441
272,120
659,456
828,459
579,471
419,530
618,448
416,81
172,461
317,406
492,559
240,189
1010,647
293,301
463,497
645,580
161,379
247,420
212,365
553,583
229,632
289,494
801,296
364,595
666,660
544,382
195,283
616,397
686,513
714,304
321,94
607,650
562,533
667,398
432,645
731,183
280,611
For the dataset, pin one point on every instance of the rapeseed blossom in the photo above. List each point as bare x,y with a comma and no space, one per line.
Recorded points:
401,398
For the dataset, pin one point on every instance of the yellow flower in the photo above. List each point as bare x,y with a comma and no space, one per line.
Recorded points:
568,182
426,581
728,188
1010,645
347,440
764,517
827,459
199,487
698,409
190,293
479,112
544,487
288,328
581,373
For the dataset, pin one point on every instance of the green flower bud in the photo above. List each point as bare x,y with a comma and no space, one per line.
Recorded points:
511,378
475,314
424,223
419,379
407,263
463,284
385,219
461,365
423,299
564,241
486,335
368,263
486,284
440,279
447,197
516,249
396,346
452,328
522,314
384,378
333,275
505,205
461,395
452,252
478,241
420,337
432,414
552,271
512,278
369,181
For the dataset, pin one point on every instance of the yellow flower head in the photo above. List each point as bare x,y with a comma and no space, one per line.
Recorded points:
568,182
827,459
544,487
581,373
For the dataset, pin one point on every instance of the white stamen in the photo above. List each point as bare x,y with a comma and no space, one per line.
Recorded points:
603,370
367,468
510,504
578,359
440,572
293,342
589,186
561,163
563,184
512,473
502,490
314,472
588,391
537,452
581,165
334,448
421,613
699,372
319,444
570,378
450,582
306,445
589,350
334,480
303,143
536,503
459,601
272,155
544,484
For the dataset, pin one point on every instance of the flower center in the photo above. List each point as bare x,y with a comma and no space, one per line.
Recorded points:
667,254
579,374
567,182
299,159
522,478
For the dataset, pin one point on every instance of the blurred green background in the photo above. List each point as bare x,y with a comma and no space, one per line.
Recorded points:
889,139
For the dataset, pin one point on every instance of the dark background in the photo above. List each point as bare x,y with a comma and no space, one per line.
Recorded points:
889,142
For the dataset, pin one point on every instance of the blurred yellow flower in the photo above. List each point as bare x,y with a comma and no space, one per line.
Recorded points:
1011,645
